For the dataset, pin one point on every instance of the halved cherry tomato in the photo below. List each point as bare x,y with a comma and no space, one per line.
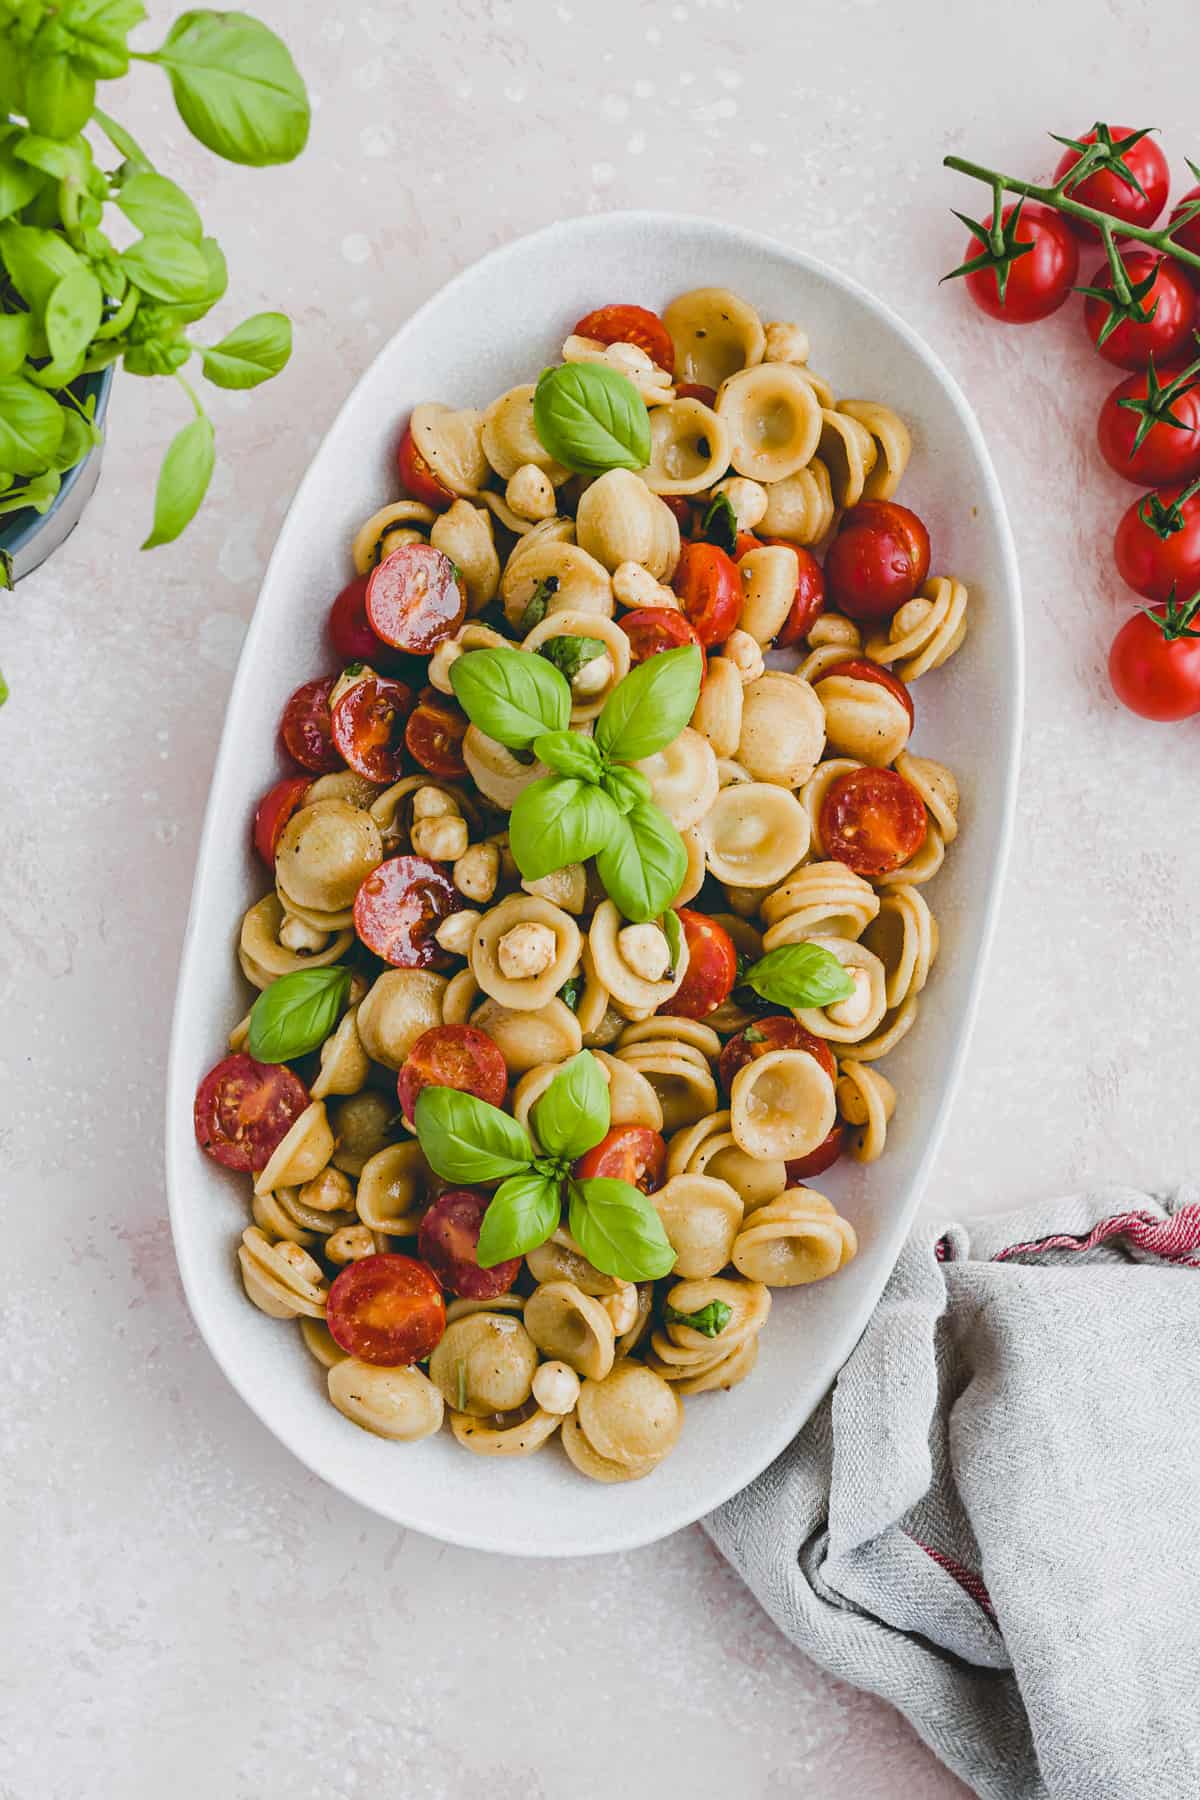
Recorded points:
618,324
1169,451
863,670
434,734
1188,234
808,602
386,1309
244,1110
817,1161
711,971
746,540
416,598
1170,300
1154,663
683,509
777,1032
1157,545
631,1153
274,810
1108,191
453,1056
709,590
877,561
448,1240
368,726
399,907
306,729
417,476
652,629
349,629
696,390
1039,280
872,820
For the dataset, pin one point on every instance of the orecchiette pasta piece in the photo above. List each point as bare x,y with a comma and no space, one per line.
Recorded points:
926,631
345,1065
701,1215
681,1350
814,790
783,729
495,771
264,959
551,1034
572,1327
693,880
781,1106
855,1018
558,530
319,1342
631,1097
400,1005
460,998
510,440
566,577
523,951
679,1075
300,1155
896,1025
823,897
362,1125
596,1467
745,653
608,949
275,1221
402,522
401,1404
768,589
826,398
565,887
754,834
393,809
866,1100
904,936
452,444
796,1239
631,1416
863,719
710,1148
342,784
817,663
938,789
530,494
462,1308
800,507
643,1311
651,382
893,445
747,498
682,777
282,1280
596,680
919,868
715,335
393,1188
773,418
325,854
634,586
732,1368
848,451
830,628
484,1364
697,1034
464,534
289,1212
619,520
519,1435
560,1260
689,448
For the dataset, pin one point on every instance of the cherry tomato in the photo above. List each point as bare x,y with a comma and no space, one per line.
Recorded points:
349,630
1168,452
1108,191
630,325
860,669
1188,235
434,734
416,598
652,629
808,602
709,590
244,1110
696,390
1154,663
368,726
1039,280
631,1153
306,729
817,1161
399,907
274,810
1170,299
877,561
746,540
777,1032
417,476
453,1056
1157,546
386,1309
684,512
711,971
872,820
448,1240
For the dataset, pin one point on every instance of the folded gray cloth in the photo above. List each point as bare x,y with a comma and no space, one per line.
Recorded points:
991,1521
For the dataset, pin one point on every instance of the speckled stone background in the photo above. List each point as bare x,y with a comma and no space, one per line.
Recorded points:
182,1608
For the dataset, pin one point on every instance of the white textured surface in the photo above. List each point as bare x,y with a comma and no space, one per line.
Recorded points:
181,1606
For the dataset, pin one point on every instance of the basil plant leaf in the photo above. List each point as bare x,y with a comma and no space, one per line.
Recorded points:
510,695
31,426
568,753
73,314
296,1013
710,1321
59,96
465,1139
556,821
574,1112
538,604
642,862
182,481
166,265
252,352
236,87
569,654
18,182
155,204
35,261
625,786
720,526
618,1229
523,1212
38,493
16,337
651,706
800,975
590,418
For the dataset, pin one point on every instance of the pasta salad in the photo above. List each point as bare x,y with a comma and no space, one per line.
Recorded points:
597,892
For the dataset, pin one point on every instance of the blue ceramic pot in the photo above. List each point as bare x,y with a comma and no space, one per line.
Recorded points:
30,537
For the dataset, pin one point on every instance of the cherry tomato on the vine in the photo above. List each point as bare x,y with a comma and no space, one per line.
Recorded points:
1154,663
1108,189
1158,320
1188,235
1038,280
1157,545
1149,426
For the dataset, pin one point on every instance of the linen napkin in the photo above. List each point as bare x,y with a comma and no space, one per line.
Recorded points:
993,1520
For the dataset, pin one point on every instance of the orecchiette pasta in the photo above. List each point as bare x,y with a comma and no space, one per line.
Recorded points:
401,1404
451,442
510,441
683,778
701,1214
263,955
282,1279
715,334
848,452
754,833
619,520
523,950
893,446
596,680
689,448
400,522
783,729
800,507
781,1106
563,577
773,419
925,632
866,1100
821,898
863,719
795,1239
464,534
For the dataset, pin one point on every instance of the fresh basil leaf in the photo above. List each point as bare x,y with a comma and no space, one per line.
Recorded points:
570,654
651,706
94,32
78,440
720,526
574,1112
556,821
672,930
465,1139
31,426
800,975
35,261
59,96
122,140
296,1013
161,318
625,787
69,160
156,205
590,418
568,753
571,992
523,1212
710,1321
236,87
642,862
618,1229
73,314
182,481
18,182
510,695
166,265
156,357
38,493
538,604
16,337
252,352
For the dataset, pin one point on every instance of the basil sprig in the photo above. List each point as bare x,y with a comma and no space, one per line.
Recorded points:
591,418
799,975
592,803
569,654
710,1321
464,1139
297,1013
